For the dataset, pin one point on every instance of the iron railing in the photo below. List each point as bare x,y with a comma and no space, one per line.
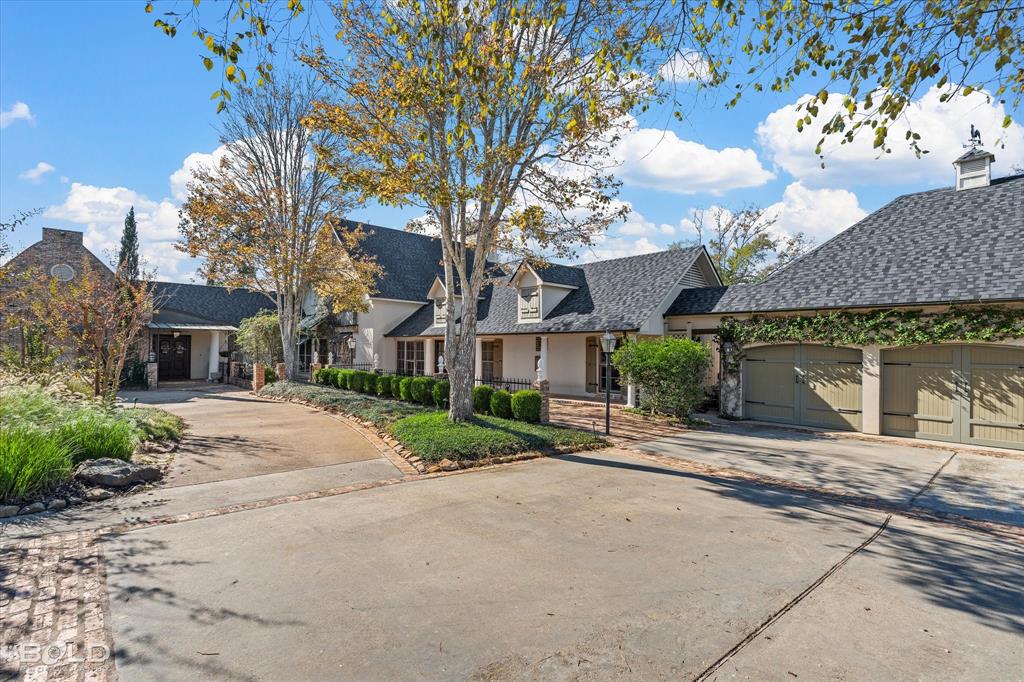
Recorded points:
504,383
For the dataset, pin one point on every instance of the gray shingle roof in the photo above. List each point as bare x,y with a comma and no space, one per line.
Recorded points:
619,295
555,273
941,246
199,303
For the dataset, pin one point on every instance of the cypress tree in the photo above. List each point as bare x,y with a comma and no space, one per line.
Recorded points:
128,258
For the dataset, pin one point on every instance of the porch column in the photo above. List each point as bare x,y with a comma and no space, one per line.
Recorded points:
429,361
871,390
214,354
542,365
478,364
631,387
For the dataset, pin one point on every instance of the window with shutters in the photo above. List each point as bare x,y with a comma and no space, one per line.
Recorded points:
529,303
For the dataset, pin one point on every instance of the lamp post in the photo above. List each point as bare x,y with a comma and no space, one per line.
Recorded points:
351,343
607,345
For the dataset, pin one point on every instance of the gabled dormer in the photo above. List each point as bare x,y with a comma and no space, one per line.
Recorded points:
439,300
540,289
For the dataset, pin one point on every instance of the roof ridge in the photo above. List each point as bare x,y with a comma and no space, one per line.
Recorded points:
682,250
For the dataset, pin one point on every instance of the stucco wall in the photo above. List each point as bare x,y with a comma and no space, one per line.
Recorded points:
382,316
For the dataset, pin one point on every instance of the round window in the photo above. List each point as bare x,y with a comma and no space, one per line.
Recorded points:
62,272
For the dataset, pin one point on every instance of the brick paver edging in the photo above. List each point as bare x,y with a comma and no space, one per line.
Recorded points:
1001,530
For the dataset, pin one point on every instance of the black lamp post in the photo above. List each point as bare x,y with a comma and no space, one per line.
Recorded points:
607,345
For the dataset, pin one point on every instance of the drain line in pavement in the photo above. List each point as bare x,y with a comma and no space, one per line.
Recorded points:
913,499
790,604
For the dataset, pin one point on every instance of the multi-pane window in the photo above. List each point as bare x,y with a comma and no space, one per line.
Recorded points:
529,303
410,358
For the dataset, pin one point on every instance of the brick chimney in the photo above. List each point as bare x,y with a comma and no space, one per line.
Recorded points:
52,235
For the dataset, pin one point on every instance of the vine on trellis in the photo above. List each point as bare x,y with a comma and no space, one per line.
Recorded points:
883,328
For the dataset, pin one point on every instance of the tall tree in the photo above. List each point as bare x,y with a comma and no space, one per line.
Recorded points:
742,243
128,256
264,218
495,117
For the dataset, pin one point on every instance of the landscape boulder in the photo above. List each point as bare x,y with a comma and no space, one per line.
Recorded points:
116,473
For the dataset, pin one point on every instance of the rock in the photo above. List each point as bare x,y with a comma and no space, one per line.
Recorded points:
433,469
56,505
115,473
97,494
9,510
448,465
33,508
74,500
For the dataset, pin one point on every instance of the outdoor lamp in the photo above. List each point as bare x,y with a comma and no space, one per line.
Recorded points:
607,345
152,356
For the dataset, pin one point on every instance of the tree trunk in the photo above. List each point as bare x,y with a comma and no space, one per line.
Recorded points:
461,369
288,324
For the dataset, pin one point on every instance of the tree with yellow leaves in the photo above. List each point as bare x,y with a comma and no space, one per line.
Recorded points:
264,218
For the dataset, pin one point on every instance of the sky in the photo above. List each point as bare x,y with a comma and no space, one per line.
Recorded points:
99,112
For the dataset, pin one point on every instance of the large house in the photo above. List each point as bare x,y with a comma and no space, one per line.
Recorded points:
930,251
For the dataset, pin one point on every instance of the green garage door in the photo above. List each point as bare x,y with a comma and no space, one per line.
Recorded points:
964,394
804,384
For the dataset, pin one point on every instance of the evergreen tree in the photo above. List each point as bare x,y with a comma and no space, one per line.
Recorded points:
128,258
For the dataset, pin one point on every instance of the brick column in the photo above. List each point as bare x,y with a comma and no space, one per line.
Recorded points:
152,374
544,387
279,371
257,377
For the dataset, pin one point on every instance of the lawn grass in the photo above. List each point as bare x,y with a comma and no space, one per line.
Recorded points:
379,411
30,460
433,437
156,424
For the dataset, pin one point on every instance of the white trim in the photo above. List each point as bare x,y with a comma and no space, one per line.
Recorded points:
399,300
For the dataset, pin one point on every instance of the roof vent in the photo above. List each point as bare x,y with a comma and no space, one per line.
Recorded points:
974,168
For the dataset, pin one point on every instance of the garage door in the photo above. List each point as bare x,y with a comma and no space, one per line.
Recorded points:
964,394
803,384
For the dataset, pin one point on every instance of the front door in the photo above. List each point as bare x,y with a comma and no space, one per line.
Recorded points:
173,356
490,359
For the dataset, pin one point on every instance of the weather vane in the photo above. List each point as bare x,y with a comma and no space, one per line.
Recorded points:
975,138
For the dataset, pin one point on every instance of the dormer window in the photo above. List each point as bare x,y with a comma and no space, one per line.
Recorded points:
529,303
440,311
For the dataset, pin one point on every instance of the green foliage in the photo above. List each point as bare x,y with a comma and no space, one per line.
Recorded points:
380,411
324,376
396,388
883,327
442,389
668,372
406,389
422,390
259,337
356,380
501,404
344,379
369,381
384,385
92,434
156,424
128,255
133,375
269,375
434,437
526,405
31,461
482,399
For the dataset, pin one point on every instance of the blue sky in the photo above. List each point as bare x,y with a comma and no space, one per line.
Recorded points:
101,111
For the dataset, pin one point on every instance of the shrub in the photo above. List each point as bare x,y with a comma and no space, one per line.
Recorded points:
406,389
440,394
344,379
384,385
526,405
422,390
156,424
482,399
668,372
92,434
31,460
369,382
501,404
396,388
366,407
355,380
269,375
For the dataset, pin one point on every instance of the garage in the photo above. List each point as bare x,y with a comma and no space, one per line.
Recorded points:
804,384
963,394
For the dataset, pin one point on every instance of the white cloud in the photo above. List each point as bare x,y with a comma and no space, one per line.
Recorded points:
659,159
616,247
684,67
18,112
36,173
819,213
943,127
181,177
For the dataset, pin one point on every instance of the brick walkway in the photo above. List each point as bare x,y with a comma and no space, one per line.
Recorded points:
627,427
54,612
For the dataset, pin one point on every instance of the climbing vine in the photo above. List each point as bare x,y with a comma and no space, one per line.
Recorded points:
883,328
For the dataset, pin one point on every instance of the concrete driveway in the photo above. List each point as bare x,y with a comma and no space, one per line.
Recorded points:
592,566
233,434
947,479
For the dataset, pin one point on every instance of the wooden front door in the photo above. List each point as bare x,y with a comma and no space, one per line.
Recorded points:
173,356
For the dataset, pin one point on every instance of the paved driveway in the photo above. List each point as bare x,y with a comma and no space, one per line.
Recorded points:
590,566
233,434
982,487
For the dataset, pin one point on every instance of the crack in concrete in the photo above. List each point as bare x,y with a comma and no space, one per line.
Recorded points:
928,484
788,606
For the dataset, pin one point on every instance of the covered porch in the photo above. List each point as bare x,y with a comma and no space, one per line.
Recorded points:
188,351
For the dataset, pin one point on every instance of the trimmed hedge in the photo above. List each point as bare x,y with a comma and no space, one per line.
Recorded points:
396,388
441,391
422,390
384,385
406,389
501,404
482,399
526,406
345,378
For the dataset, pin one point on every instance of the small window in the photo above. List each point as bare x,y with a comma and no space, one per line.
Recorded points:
62,272
440,311
529,303
536,344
